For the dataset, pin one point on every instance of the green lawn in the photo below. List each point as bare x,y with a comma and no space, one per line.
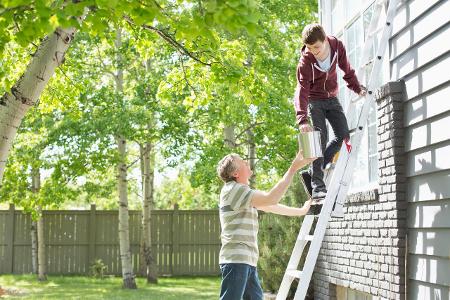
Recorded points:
75,287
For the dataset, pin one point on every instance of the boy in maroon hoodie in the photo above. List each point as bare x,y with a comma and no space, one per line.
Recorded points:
316,92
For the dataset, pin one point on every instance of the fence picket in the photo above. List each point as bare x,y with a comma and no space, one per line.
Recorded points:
183,242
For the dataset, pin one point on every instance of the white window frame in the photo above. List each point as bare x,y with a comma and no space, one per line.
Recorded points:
367,164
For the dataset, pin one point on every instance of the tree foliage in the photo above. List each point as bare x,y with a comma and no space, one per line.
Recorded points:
193,68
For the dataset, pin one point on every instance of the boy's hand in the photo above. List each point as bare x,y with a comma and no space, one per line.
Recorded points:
299,161
305,127
363,91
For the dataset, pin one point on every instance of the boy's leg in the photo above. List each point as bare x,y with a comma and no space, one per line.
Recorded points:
234,281
317,112
338,121
253,290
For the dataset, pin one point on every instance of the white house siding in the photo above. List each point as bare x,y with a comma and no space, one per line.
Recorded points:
365,252
420,55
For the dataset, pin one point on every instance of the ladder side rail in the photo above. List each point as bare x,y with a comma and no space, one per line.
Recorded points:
321,226
304,231
364,113
314,250
347,161
379,58
344,167
294,260
374,20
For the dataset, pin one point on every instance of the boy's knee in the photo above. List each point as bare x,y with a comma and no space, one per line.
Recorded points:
341,137
339,140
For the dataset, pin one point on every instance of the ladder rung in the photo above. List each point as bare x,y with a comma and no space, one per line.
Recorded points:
367,63
344,183
380,2
373,33
337,214
294,273
308,237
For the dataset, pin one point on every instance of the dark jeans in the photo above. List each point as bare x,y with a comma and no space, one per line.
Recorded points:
320,111
240,281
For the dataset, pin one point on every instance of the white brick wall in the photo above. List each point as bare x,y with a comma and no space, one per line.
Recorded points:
365,251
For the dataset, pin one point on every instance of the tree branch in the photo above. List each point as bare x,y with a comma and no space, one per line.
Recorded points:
105,68
248,128
21,8
185,77
170,40
139,157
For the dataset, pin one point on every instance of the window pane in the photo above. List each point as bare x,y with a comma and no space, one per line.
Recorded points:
352,7
337,21
354,41
372,140
353,35
373,163
360,174
372,114
367,17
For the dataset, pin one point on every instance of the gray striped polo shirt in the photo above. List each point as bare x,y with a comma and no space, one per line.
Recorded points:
239,223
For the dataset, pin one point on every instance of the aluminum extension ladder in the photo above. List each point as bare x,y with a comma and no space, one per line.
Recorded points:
342,174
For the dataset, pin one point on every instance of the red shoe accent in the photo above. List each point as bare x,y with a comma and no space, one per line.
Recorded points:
348,145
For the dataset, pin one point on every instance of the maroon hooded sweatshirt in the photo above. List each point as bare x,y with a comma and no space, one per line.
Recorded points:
313,83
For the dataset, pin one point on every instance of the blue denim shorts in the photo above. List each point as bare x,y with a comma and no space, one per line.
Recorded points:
240,281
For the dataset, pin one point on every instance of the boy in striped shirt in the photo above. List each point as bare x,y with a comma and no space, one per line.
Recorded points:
238,207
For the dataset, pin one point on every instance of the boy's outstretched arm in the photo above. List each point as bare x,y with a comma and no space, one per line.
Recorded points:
284,210
260,198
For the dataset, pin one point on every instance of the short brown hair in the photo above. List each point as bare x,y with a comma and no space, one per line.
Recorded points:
227,166
313,33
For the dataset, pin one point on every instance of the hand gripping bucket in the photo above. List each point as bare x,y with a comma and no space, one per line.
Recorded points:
309,142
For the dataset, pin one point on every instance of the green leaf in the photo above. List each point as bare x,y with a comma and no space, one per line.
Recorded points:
106,3
210,6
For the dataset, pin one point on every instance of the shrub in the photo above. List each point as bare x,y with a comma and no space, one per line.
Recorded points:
98,269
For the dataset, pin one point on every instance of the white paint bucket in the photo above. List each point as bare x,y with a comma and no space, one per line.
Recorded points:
309,142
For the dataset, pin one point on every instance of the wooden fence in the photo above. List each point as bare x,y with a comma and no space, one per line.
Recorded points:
185,242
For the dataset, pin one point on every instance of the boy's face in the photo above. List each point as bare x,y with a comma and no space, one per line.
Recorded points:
243,172
317,49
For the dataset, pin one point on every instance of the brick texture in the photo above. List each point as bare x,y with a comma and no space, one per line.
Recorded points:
365,250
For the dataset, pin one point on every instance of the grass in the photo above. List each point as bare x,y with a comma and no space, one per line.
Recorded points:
78,287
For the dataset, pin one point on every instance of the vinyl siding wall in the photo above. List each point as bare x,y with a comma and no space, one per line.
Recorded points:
420,55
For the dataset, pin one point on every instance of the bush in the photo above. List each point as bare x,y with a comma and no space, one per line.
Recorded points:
98,269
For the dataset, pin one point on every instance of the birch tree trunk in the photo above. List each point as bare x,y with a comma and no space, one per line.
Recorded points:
124,232
229,136
34,247
148,164
149,167
42,262
27,90
251,151
142,263
35,186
